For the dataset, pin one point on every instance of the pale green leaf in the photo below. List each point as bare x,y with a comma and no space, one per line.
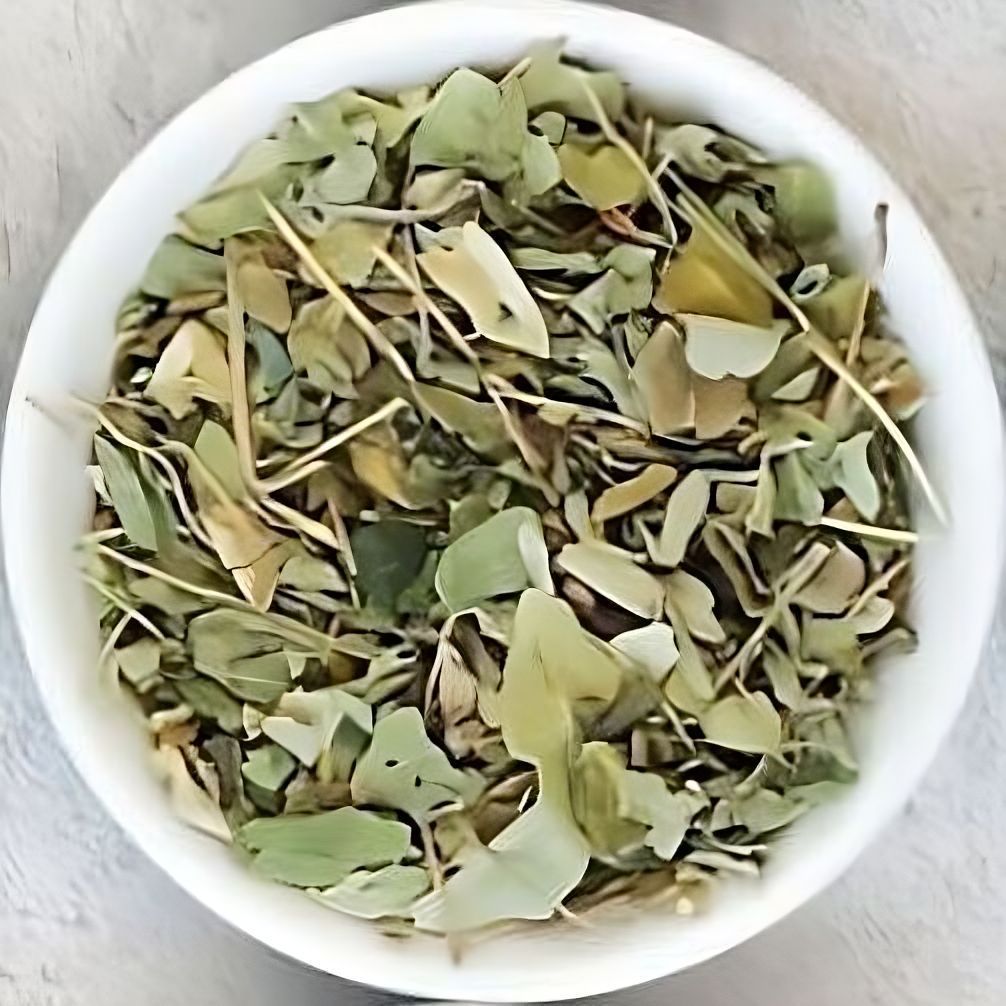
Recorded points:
665,382
548,83
378,895
850,470
326,345
473,270
472,123
192,366
130,493
321,850
797,495
347,249
686,509
603,178
652,647
695,602
503,555
744,723
479,424
402,768
626,285
326,728
715,347
269,767
624,497
179,268
524,873
140,663
611,572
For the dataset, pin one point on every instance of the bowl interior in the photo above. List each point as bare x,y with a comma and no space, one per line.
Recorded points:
47,498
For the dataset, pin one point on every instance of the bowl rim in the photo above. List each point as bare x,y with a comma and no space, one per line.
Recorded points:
69,733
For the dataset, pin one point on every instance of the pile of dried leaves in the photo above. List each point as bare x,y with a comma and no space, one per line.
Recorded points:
501,501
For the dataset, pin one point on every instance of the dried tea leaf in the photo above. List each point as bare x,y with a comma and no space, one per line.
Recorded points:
389,556
611,573
379,894
765,810
473,270
140,663
719,405
706,153
138,499
501,556
662,375
604,178
627,285
321,850
188,799
627,496
652,647
702,280
850,470
609,796
715,347
550,84
263,292
804,200
524,873
326,345
327,728
695,602
797,495
192,366
404,769
744,723
348,249
477,423
179,268
269,767
836,583
475,124
686,509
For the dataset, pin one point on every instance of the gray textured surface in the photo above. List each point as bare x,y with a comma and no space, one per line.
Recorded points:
84,919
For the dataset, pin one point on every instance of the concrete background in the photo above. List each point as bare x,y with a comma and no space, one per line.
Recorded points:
85,920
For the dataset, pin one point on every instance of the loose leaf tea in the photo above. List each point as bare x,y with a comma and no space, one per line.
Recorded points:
502,501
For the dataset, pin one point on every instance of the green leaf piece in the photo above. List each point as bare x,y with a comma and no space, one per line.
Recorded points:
404,769
380,894
501,556
549,83
325,729
473,270
611,572
715,347
603,178
179,268
389,556
136,500
475,124
744,723
321,850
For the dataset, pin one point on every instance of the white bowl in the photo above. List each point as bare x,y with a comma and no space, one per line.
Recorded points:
47,499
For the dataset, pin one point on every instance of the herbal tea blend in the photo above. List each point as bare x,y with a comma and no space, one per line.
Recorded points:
502,499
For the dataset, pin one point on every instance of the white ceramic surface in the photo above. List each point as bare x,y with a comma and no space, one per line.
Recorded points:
46,497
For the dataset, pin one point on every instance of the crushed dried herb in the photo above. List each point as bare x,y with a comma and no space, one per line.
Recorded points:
501,501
